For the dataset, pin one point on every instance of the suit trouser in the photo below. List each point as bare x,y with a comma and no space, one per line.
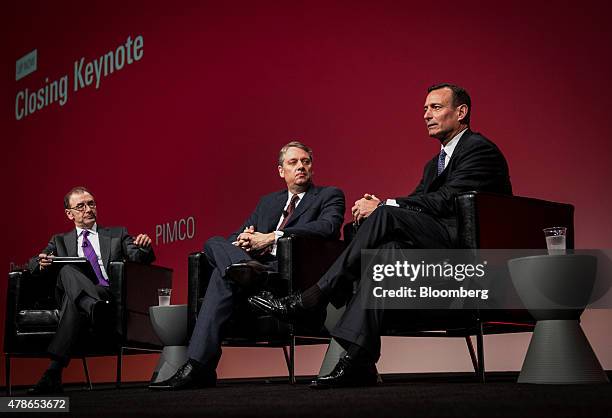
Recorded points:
219,301
71,285
386,226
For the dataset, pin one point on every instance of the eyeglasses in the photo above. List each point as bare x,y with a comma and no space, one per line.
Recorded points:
81,206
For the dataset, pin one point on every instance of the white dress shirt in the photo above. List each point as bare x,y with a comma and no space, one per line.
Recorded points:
450,146
94,239
277,233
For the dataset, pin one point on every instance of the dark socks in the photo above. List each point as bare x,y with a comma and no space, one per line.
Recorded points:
55,369
197,366
313,297
356,352
56,365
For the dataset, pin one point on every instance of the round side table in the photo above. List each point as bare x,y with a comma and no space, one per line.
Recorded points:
556,289
170,325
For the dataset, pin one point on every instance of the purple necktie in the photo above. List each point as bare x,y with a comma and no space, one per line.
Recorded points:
441,161
90,254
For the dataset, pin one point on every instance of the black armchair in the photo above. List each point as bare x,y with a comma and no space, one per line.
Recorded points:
493,221
301,262
32,315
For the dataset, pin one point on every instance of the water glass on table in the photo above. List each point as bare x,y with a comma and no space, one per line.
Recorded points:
164,296
555,239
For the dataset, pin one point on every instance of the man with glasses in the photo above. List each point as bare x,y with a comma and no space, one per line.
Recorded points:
83,293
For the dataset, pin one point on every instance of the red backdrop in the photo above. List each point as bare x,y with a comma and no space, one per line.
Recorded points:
195,125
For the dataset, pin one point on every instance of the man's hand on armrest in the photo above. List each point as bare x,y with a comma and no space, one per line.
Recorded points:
142,241
45,260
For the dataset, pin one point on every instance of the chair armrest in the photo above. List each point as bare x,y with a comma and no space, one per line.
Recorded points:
134,288
12,297
302,261
489,220
26,292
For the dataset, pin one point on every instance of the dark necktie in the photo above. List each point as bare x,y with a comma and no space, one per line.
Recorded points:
289,211
91,256
441,159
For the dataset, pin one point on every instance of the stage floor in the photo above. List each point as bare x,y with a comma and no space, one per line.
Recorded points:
437,395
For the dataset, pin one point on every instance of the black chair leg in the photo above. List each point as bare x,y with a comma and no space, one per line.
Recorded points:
119,361
7,370
292,358
480,350
287,361
470,346
86,370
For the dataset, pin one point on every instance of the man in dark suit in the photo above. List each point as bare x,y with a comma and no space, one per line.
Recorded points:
82,292
424,219
240,261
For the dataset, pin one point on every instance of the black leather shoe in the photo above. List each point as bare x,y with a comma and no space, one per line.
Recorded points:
287,308
290,309
187,377
250,274
49,383
348,373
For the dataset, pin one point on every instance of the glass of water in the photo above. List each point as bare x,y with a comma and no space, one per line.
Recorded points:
164,296
555,239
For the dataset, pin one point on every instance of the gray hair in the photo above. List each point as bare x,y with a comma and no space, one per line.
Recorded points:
293,144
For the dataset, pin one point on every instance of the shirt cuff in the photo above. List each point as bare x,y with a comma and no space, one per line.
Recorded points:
391,202
277,235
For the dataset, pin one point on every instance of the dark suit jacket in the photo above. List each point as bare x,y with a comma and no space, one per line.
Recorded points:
115,245
476,165
320,214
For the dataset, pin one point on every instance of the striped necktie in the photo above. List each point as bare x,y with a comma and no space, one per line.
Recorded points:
289,211
441,160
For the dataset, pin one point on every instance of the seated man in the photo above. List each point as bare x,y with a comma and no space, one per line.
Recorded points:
424,219
83,299
301,209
